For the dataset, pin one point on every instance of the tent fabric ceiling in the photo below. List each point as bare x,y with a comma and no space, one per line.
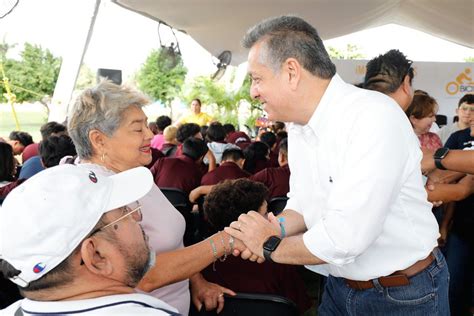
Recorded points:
219,25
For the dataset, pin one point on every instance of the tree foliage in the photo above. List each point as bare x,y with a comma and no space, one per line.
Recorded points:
34,76
86,78
162,75
469,59
350,52
227,102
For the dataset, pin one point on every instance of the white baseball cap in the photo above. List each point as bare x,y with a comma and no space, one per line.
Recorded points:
44,219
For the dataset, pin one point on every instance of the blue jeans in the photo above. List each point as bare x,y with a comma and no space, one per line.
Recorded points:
427,294
459,257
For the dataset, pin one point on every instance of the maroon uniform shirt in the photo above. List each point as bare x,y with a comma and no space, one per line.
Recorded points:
181,172
277,180
227,170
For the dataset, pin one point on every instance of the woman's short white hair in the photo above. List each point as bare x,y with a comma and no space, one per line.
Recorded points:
100,108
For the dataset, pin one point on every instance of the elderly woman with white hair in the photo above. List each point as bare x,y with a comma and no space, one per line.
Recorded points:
111,135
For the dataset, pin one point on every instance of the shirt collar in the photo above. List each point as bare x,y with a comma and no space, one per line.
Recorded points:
318,116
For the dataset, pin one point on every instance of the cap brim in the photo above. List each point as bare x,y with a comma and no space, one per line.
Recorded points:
129,186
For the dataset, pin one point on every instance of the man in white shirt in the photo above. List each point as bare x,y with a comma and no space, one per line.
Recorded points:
357,209
462,111
72,242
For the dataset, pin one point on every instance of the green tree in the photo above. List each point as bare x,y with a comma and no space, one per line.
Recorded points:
86,78
35,75
350,52
162,75
469,59
214,92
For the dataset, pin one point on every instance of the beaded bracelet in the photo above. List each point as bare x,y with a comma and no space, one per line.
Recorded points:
222,259
281,220
214,253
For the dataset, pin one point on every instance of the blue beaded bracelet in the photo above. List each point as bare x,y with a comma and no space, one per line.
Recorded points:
282,226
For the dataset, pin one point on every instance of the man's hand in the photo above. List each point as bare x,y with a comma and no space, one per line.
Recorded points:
209,294
253,229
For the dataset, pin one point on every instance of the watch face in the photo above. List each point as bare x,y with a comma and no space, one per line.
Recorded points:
272,243
441,153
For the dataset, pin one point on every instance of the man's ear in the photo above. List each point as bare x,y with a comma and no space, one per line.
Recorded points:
96,256
407,85
292,69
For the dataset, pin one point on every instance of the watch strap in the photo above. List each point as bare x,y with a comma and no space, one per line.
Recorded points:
438,163
267,254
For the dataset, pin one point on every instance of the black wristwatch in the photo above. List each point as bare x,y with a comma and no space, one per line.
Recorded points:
439,155
270,246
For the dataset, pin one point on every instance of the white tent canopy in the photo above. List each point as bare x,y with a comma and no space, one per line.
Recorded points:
219,25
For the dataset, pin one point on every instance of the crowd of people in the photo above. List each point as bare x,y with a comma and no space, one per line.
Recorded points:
361,210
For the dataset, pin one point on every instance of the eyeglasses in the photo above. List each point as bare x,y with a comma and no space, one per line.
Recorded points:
134,211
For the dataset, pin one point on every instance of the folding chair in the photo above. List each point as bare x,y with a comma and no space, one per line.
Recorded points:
180,200
248,304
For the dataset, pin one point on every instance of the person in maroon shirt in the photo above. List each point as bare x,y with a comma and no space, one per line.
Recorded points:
182,172
230,168
270,139
48,129
256,157
224,204
277,180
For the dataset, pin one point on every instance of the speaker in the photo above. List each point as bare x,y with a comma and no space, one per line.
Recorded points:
114,75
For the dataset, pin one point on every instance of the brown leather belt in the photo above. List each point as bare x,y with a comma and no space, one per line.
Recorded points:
398,278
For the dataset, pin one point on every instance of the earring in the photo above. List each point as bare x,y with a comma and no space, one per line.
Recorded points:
102,158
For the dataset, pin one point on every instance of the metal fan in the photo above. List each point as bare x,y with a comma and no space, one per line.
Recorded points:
170,52
224,60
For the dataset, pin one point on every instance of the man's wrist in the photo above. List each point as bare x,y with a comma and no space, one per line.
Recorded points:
439,155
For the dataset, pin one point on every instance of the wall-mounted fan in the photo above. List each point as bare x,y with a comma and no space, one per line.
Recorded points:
171,52
224,60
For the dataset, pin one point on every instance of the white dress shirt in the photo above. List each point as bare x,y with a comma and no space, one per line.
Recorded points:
356,179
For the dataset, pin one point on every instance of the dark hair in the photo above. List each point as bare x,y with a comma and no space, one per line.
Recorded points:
52,128
187,130
282,134
204,129
215,132
419,91
283,149
54,148
291,37
278,126
256,151
194,148
467,98
234,154
229,128
162,122
230,198
422,106
197,100
386,72
7,162
23,137
268,138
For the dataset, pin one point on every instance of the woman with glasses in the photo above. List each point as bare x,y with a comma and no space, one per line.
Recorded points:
111,135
